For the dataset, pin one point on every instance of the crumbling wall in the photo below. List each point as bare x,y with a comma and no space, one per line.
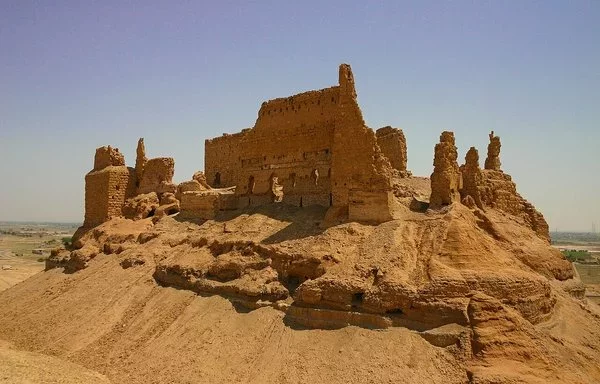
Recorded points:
107,156
446,180
315,144
492,188
471,177
291,140
158,176
107,186
392,143
358,164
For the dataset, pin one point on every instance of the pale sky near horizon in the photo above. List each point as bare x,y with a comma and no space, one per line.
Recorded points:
76,75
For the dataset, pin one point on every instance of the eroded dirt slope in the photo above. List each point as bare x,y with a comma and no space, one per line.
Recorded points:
275,296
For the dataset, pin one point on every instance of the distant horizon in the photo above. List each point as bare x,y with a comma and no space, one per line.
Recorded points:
76,76
80,223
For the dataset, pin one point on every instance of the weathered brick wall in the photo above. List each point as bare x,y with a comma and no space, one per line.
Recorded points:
107,156
392,143
157,176
317,145
105,193
292,139
358,163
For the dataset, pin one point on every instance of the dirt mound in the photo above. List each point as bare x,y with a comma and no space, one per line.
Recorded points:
278,294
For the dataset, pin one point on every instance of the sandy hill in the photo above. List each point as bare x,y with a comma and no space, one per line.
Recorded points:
277,294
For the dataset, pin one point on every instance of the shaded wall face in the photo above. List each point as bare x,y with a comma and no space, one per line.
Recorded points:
358,163
105,193
292,139
392,143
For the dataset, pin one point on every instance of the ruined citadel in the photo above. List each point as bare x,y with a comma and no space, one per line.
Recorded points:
312,148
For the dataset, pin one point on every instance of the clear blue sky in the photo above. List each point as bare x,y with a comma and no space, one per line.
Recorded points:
76,75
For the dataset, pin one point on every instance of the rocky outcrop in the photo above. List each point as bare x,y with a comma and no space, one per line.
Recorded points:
498,191
492,162
141,206
201,178
446,180
472,179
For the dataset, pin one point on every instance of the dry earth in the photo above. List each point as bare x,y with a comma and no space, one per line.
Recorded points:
273,295
14,269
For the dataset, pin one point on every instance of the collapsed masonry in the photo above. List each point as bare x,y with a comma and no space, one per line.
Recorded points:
312,148
480,188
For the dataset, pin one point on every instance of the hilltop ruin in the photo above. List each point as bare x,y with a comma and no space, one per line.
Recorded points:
312,148
314,218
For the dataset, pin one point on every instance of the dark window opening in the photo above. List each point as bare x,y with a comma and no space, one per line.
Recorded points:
217,181
300,201
251,184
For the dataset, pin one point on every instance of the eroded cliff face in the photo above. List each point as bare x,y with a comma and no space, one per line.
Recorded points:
476,283
492,188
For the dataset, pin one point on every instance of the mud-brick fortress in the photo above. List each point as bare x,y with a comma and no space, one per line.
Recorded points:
312,148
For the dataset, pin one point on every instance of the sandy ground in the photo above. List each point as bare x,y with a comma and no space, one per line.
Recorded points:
22,367
14,269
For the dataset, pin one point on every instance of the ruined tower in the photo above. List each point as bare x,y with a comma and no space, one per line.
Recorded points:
472,178
492,162
140,160
107,186
446,180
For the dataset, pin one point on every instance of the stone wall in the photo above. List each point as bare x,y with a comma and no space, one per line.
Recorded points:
157,176
107,156
291,140
107,186
392,143
315,143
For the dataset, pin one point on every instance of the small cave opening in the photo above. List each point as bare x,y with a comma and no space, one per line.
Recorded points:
152,212
292,283
357,299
